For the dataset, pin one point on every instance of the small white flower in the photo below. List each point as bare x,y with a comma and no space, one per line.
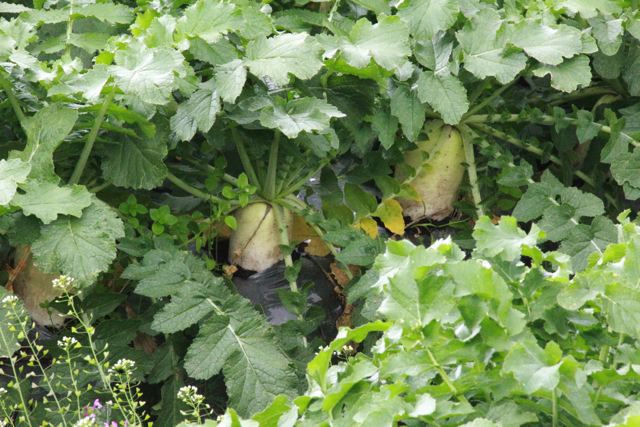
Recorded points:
64,282
123,366
2,391
67,342
85,422
9,298
189,394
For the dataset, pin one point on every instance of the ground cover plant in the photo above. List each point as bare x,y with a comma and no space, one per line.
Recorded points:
154,152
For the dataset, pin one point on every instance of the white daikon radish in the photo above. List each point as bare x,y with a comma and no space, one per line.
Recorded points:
255,243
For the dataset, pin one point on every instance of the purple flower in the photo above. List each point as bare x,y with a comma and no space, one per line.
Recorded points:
96,404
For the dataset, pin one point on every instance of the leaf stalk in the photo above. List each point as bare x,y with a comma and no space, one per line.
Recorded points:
91,139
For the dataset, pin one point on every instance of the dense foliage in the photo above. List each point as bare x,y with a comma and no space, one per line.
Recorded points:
136,136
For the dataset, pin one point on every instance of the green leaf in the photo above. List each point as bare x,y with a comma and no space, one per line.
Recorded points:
584,240
298,115
538,198
82,247
485,48
386,42
359,200
530,365
625,169
622,305
12,8
47,200
547,44
229,80
12,173
406,106
255,369
587,8
445,93
257,23
386,125
608,31
89,84
45,131
110,12
197,112
568,75
217,53
136,164
187,307
172,410
425,18
276,57
209,19
504,239
148,73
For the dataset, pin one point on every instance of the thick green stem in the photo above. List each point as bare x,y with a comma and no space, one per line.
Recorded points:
6,86
534,150
69,30
563,98
302,181
446,379
100,187
208,168
91,139
486,102
554,400
297,206
246,161
200,194
269,192
471,169
498,118
278,211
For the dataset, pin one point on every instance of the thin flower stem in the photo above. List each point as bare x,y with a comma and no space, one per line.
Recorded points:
88,146
5,343
69,30
100,187
6,86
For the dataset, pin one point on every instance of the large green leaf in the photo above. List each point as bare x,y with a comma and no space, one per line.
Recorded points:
229,80
426,17
485,49
276,57
198,112
12,173
81,247
385,42
148,73
45,131
406,106
504,239
568,75
445,93
209,19
545,43
47,200
136,163
298,115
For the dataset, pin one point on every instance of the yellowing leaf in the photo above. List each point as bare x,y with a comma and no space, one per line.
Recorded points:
303,232
391,215
369,226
